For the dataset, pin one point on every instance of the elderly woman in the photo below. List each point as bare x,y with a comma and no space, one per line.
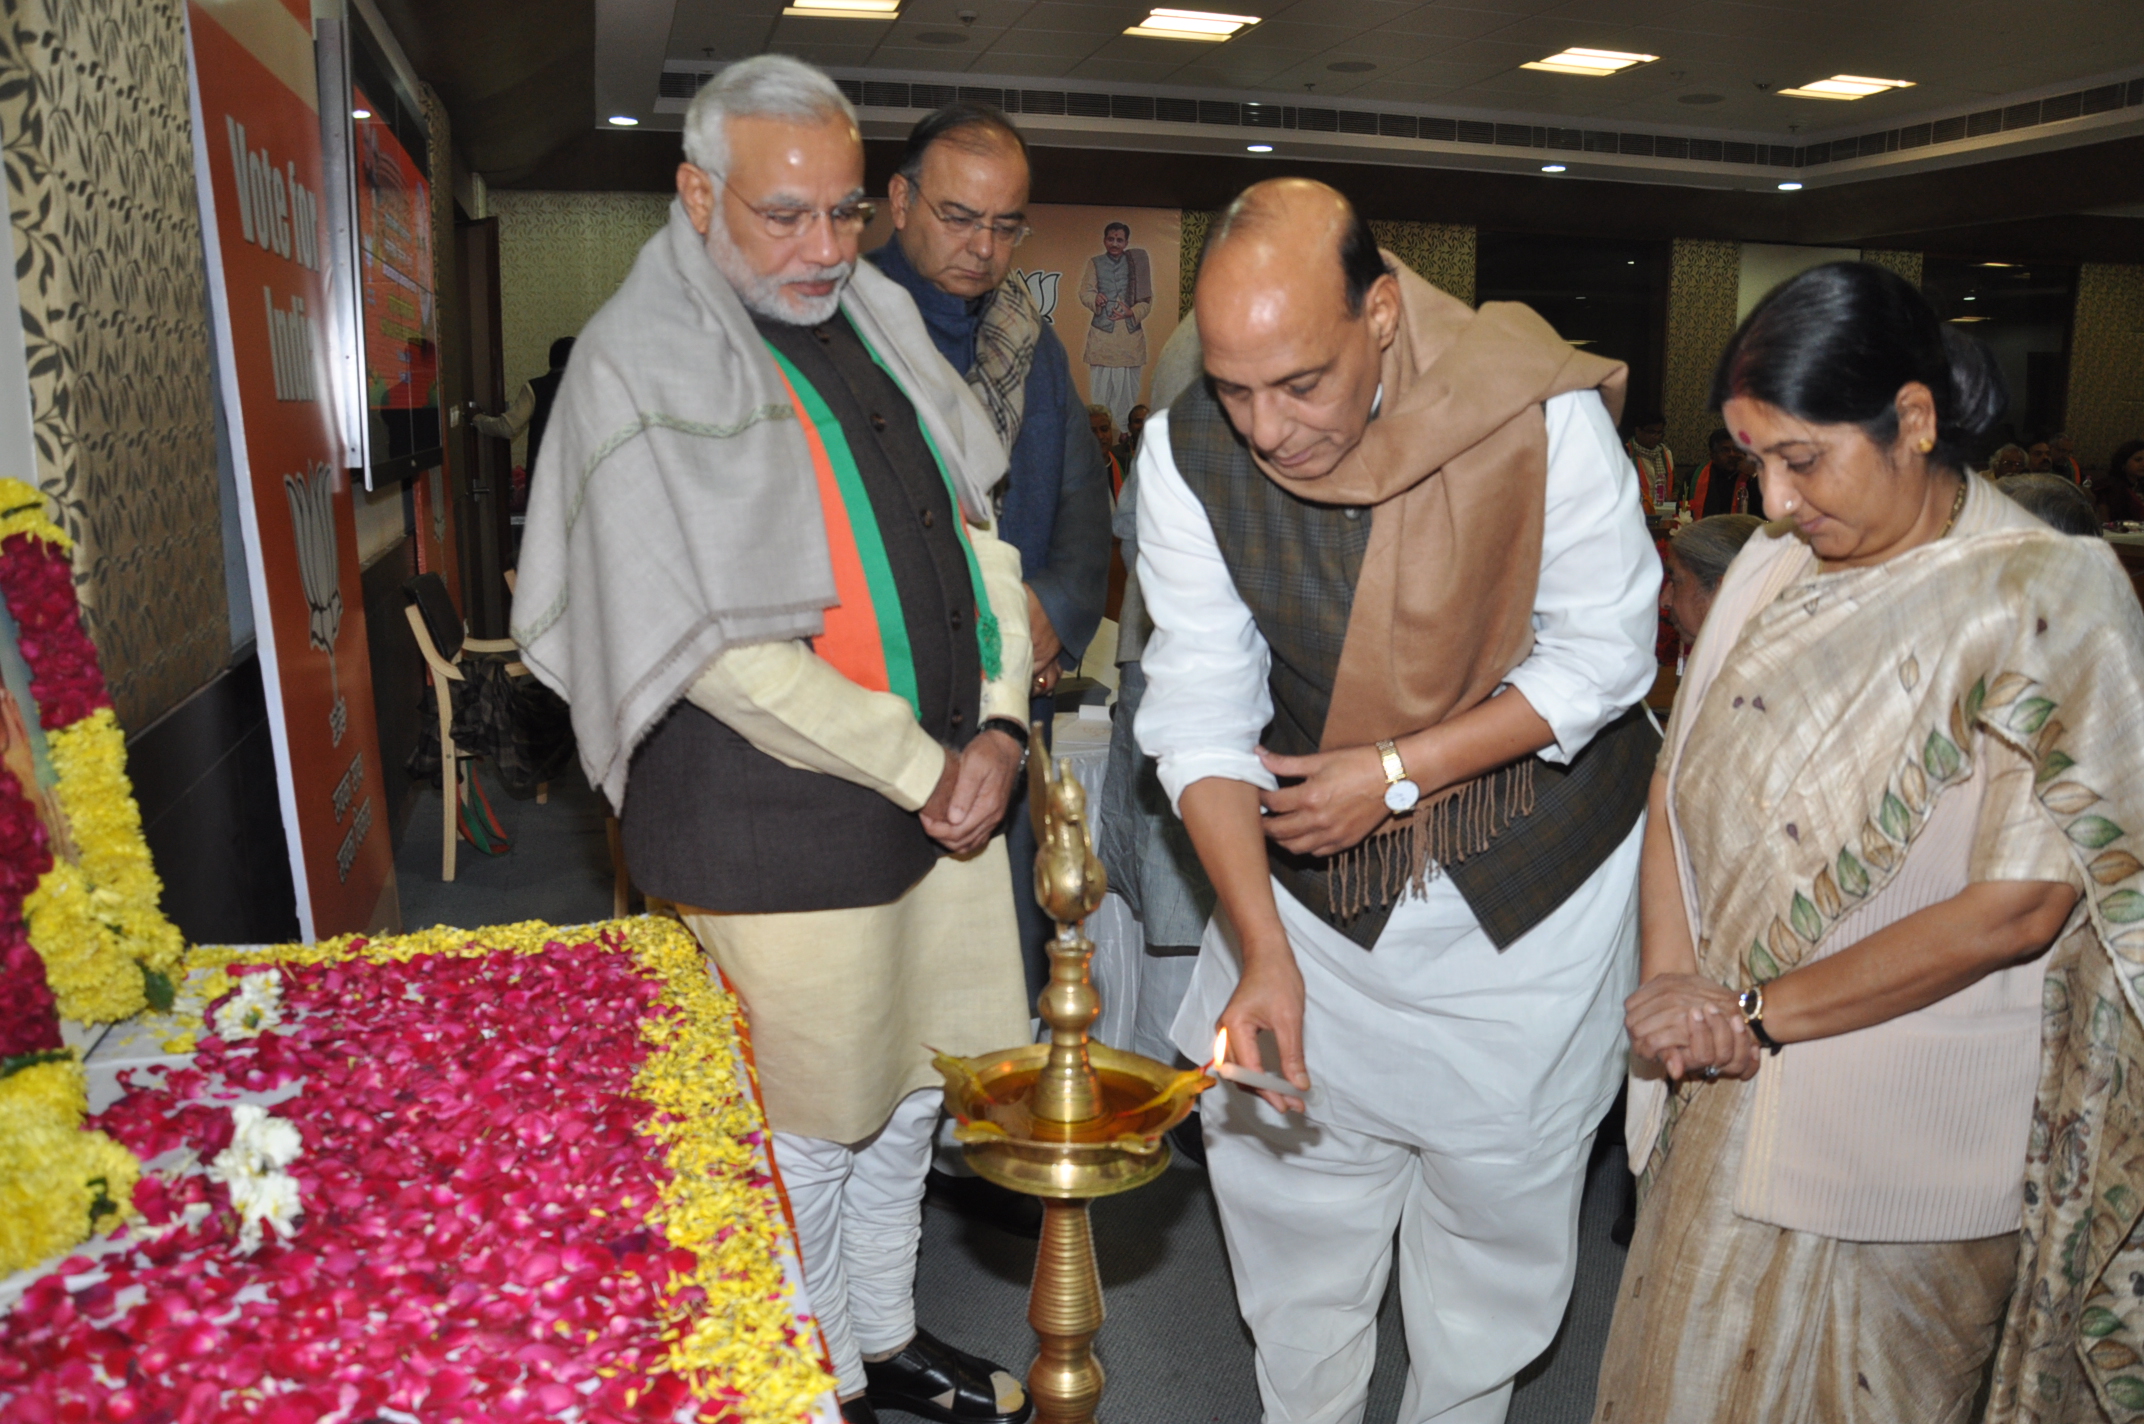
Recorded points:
1697,558
1907,759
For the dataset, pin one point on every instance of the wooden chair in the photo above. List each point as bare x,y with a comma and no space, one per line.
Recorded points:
443,639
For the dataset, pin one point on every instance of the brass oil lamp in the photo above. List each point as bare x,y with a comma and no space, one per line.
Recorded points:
1067,1120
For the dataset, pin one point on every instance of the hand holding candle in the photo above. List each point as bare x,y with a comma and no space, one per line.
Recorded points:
1244,1077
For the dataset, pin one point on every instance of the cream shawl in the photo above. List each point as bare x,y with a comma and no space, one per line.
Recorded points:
674,513
1861,693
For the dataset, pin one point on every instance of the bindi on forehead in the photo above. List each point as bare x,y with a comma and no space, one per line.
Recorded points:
1743,436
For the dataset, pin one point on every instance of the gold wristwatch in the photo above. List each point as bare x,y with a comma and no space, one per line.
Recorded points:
1400,791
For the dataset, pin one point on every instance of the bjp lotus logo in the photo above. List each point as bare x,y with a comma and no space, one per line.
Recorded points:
1042,287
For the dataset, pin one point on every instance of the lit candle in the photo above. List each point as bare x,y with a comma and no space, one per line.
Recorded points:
1244,1077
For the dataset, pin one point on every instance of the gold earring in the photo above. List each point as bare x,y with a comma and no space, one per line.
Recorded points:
1926,445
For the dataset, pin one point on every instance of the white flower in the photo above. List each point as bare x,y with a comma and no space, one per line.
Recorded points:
254,1009
250,1167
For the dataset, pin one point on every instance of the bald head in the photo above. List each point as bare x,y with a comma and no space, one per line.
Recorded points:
1295,311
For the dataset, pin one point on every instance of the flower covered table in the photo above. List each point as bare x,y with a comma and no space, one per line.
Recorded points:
517,1174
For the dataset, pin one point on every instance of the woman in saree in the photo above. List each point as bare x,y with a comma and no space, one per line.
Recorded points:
1886,1101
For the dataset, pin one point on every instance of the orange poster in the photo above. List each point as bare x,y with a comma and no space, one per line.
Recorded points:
258,169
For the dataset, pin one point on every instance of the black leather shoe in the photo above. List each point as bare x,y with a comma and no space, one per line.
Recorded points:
980,1199
858,1411
932,1379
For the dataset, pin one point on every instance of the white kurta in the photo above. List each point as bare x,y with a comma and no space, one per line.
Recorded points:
1461,1083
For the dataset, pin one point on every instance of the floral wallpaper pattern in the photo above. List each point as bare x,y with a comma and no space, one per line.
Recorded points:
97,146
2106,398
1702,281
561,255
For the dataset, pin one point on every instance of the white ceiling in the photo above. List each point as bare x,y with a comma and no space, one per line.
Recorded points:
1465,54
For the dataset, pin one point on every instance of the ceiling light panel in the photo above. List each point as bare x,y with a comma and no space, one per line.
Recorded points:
845,9
1191,25
1846,86
1594,63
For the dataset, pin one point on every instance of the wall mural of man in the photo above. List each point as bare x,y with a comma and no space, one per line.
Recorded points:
1117,286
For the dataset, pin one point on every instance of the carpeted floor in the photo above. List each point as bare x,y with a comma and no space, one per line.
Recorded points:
1174,1348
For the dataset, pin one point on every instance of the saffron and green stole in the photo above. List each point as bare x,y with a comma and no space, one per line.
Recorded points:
866,637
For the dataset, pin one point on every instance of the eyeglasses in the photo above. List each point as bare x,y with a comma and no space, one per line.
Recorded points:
846,218
962,223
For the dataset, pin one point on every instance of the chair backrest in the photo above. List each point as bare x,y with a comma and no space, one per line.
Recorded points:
429,593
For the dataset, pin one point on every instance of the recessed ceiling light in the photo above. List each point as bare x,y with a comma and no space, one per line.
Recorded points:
1972,299
1258,148
367,113
1790,187
1963,319
1552,168
1995,264
624,121
1846,86
1191,25
1595,62
845,9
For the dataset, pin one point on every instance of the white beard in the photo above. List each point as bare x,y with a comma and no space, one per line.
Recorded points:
769,296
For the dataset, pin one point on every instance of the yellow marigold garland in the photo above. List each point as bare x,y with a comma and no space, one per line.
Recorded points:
56,1181
97,924
742,1344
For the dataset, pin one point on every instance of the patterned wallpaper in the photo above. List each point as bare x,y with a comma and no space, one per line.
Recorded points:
561,255
1193,239
109,272
1442,254
2106,405
1703,278
1905,264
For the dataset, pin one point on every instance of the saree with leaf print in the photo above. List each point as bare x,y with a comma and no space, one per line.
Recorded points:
1851,1234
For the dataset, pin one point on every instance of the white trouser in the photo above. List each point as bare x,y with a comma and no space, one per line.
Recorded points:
859,1214
1462,1085
1116,387
1487,1251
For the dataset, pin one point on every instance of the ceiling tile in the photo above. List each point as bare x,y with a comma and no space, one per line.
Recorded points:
1054,43
1041,66
1128,71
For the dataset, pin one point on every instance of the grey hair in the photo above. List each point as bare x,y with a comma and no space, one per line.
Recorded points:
2053,500
766,86
1707,547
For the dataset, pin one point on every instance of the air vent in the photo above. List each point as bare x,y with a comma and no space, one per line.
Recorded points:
1142,108
680,84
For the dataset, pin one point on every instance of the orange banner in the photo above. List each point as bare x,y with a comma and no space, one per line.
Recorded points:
257,141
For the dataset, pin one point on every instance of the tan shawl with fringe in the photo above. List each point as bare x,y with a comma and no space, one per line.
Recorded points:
1859,694
1456,466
